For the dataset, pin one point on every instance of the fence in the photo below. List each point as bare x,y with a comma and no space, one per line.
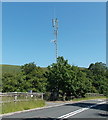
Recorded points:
19,96
93,94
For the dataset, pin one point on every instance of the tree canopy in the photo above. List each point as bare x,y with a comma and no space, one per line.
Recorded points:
62,80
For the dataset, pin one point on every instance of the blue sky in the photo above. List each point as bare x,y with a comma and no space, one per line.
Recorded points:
27,32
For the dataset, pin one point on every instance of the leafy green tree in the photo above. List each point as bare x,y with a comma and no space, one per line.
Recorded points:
99,77
33,77
57,76
61,79
8,83
98,68
80,84
66,80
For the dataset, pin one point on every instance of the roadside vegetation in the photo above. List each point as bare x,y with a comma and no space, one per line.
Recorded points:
21,105
89,98
59,81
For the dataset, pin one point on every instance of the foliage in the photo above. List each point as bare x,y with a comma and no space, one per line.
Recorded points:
66,80
99,77
21,105
59,80
9,82
30,78
89,98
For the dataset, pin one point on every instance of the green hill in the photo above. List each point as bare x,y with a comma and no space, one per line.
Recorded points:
10,69
14,69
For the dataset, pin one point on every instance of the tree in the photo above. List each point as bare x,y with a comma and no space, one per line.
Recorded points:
9,83
99,77
57,76
33,78
80,84
98,68
66,80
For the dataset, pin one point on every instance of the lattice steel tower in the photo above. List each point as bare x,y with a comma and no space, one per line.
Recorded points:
55,27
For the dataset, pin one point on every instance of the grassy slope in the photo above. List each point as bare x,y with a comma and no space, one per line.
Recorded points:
21,105
13,69
10,69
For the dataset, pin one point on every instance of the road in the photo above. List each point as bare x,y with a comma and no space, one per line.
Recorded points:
86,109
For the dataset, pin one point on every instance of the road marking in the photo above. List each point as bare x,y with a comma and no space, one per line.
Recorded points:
99,100
80,110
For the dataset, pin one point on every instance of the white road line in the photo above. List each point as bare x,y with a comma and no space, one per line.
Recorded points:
73,113
80,110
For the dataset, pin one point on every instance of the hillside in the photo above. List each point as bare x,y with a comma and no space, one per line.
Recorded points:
10,69
14,69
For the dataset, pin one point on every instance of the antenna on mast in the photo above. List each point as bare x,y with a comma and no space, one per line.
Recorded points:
55,28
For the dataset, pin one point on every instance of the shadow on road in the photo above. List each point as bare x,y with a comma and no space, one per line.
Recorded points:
102,107
103,114
53,119
81,104
30,119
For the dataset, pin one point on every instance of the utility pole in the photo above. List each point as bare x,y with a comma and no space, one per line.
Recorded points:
55,28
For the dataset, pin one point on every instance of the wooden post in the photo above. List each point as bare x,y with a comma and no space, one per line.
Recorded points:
42,96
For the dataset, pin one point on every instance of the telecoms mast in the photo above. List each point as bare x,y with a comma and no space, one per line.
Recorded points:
55,27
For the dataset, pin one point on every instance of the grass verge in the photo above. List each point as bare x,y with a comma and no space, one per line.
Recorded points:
89,98
21,105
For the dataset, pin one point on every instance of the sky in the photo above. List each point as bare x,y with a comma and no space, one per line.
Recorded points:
27,32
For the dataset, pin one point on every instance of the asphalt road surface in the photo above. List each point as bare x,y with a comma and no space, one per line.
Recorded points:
96,109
